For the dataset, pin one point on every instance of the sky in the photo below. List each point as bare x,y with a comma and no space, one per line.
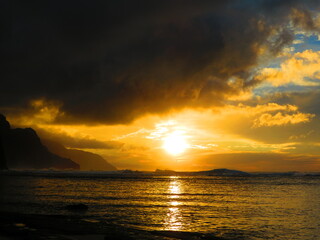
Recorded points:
182,85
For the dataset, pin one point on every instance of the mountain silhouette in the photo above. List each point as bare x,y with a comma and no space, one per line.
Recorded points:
86,160
22,149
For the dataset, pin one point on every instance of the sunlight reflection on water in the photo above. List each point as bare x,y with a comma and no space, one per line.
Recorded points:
247,207
173,219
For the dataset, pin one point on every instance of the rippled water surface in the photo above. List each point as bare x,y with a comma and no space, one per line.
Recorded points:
247,207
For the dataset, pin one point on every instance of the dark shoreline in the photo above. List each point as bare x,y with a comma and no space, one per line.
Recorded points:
18,226
136,174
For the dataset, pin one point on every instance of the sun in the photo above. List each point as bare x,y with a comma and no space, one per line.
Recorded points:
175,143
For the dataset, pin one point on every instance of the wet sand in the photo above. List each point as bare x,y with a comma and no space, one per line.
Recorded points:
16,226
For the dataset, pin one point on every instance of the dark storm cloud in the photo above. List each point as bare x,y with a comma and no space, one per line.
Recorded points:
112,61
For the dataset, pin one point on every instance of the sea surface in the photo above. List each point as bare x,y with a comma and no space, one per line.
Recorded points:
254,207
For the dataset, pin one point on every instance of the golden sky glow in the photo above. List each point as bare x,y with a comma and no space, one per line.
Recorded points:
186,87
192,139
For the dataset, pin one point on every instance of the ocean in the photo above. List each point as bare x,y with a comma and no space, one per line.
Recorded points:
252,207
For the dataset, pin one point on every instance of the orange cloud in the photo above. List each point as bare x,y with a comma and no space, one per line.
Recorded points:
270,114
261,108
298,69
280,119
38,111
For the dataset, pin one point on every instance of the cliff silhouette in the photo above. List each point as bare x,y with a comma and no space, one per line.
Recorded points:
3,161
4,126
22,149
4,129
86,160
